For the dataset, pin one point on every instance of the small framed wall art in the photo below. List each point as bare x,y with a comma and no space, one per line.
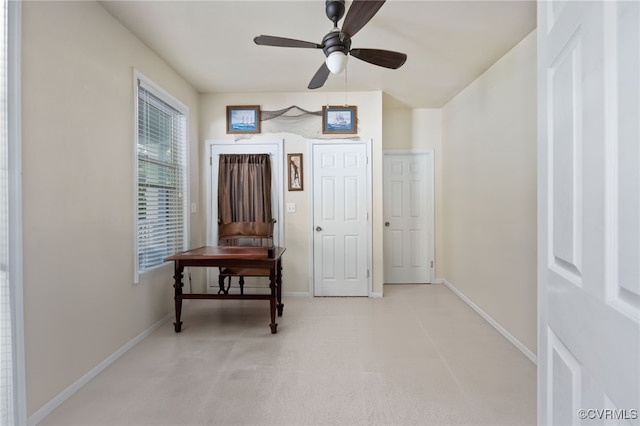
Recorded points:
243,119
339,119
294,162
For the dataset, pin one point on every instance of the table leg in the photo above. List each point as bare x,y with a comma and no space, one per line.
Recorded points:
279,284
273,300
177,276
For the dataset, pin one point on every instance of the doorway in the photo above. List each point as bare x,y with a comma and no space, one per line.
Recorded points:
341,229
273,147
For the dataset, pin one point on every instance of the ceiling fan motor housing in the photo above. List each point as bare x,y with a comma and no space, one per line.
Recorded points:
336,41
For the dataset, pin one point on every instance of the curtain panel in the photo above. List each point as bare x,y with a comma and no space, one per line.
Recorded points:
244,195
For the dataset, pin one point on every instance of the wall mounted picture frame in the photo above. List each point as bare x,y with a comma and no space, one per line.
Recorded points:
243,119
339,119
294,167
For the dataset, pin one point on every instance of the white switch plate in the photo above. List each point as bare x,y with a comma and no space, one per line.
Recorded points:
194,208
291,207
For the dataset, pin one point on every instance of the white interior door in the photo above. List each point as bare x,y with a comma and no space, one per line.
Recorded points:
408,217
340,219
589,212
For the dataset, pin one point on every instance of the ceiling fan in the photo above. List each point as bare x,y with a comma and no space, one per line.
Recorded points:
336,45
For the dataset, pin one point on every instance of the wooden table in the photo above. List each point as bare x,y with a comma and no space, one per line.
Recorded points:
231,256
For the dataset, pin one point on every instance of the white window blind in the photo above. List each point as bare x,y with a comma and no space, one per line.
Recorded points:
161,177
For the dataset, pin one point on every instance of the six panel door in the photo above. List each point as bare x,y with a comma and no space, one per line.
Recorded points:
340,236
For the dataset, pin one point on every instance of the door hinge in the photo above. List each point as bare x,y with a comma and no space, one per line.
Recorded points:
432,263
211,161
367,159
367,273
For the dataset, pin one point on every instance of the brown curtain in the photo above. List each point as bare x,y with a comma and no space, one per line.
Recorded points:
244,195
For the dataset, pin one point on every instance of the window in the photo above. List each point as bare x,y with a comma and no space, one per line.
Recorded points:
161,145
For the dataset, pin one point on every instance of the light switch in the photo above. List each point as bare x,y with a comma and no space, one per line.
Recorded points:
194,208
291,207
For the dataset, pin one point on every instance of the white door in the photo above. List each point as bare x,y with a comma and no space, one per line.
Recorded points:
340,219
589,212
408,218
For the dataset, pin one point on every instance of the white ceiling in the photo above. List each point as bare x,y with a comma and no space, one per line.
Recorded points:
449,43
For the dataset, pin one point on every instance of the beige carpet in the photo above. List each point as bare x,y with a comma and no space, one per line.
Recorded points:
417,356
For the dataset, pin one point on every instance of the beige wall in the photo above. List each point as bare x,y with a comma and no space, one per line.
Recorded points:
81,304
489,192
297,225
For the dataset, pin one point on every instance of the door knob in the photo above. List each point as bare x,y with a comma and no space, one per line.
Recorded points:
318,228
386,224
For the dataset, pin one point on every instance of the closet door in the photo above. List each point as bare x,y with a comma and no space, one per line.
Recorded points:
408,218
340,220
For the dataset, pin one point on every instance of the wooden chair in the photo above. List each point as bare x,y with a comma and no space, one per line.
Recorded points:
260,235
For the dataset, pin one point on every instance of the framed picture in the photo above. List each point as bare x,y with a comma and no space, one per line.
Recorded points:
243,119
294,165
336,119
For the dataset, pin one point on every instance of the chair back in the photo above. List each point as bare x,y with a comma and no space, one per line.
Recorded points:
258,234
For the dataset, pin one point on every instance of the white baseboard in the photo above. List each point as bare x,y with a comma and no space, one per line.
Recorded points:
43,412
296,294
375,295
510,337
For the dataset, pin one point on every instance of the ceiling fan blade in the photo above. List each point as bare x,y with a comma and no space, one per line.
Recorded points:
320,77
360,12
265,40
382,58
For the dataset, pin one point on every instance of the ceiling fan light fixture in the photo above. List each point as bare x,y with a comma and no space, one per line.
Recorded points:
336,62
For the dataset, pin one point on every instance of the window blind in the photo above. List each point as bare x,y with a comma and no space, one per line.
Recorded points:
161,204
